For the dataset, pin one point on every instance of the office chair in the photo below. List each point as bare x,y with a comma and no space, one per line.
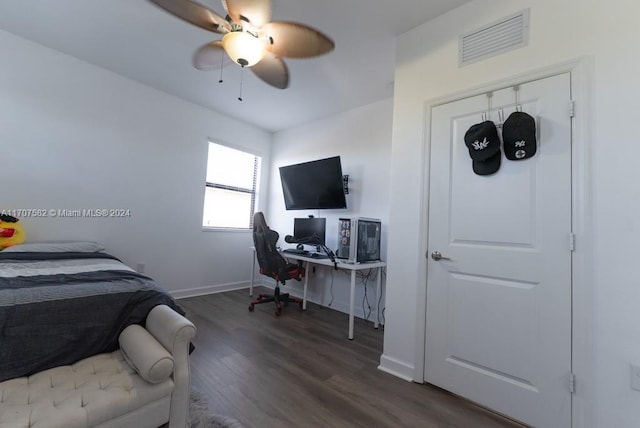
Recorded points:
273,265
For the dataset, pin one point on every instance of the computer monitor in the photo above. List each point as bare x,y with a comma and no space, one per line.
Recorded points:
307,227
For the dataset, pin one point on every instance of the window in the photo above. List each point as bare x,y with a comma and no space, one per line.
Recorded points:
231,188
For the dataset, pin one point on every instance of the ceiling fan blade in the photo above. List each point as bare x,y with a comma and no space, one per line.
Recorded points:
256,12
273,71
195,14
208,57
294,40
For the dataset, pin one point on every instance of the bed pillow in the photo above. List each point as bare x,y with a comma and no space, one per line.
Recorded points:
56,247
145,354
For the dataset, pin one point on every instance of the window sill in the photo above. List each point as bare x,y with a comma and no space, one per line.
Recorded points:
225,229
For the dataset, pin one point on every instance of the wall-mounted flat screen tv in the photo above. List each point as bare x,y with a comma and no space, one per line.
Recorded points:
313,185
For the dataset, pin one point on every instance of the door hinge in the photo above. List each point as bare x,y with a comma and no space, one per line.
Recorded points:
572,242
572,383
572,108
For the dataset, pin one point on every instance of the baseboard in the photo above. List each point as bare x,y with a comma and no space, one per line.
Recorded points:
396,368
343,307
311,297
210,289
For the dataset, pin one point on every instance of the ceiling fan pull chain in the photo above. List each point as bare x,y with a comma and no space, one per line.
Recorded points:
241,79
221,65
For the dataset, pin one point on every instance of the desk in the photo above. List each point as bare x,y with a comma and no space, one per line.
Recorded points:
352,267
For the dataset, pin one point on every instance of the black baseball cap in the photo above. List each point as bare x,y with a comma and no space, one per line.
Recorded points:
519,136
483,144
489,166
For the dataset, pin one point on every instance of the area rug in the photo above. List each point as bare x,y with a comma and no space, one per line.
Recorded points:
200,417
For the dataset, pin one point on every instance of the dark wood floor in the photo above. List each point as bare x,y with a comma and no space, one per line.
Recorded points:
299,370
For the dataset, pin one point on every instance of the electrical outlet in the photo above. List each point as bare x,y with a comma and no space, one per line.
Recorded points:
634,373
140,268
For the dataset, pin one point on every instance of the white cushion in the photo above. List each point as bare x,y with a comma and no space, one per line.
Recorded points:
143,352
83,395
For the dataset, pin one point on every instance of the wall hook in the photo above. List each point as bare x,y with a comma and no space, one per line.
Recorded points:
500,118
487,114
516,90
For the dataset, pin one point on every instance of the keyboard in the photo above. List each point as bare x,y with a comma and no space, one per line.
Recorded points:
318,256
295,251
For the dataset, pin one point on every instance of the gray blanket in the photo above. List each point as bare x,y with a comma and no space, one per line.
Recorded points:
58,308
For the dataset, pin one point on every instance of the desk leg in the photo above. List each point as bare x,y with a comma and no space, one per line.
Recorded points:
306,282
375,321
253,273
352,299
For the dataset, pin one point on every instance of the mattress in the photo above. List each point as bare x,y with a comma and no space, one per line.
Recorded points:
60,307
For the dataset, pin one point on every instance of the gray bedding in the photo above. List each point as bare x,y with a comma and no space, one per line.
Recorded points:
57,308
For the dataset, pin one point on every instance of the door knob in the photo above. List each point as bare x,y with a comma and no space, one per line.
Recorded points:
437,256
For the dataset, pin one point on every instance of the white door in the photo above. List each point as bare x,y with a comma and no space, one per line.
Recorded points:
499,311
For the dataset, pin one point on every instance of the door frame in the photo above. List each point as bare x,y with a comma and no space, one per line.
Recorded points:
583,350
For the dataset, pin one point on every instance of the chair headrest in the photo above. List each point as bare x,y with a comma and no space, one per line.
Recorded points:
259,223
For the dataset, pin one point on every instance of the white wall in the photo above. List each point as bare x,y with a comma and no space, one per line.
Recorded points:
427,69
78,137
362,139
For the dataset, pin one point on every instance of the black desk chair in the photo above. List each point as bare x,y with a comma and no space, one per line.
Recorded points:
273,265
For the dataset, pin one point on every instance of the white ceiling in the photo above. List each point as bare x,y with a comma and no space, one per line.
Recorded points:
136,39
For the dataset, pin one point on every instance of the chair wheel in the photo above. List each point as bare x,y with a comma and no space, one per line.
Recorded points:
251,307
278,311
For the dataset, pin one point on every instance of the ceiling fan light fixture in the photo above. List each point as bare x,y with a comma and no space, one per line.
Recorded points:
243,48
249,37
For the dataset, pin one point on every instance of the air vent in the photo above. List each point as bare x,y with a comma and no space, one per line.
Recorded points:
501,36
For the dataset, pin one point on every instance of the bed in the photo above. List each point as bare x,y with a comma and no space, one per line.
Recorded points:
63,302
86,342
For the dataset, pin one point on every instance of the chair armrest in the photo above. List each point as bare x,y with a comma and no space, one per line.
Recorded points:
175,332
170,328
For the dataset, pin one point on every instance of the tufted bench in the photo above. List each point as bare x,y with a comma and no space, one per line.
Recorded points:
105,390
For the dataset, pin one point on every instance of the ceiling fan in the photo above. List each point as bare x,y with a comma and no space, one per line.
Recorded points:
249,38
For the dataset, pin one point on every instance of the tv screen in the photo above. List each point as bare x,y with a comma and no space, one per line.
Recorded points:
313,185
